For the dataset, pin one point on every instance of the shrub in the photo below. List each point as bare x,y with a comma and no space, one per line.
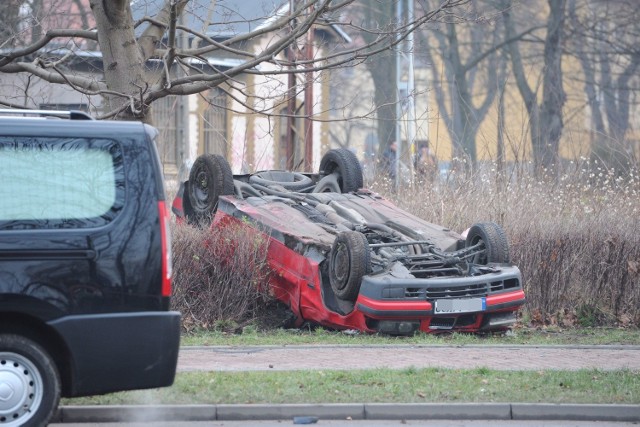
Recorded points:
575,238
219,276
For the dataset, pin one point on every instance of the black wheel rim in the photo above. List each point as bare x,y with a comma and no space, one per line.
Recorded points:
481,257
333,167
340,266
201,190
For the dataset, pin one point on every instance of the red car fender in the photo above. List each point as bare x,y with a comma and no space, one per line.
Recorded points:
296,281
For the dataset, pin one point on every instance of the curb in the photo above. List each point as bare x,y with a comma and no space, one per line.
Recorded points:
354,411
249,348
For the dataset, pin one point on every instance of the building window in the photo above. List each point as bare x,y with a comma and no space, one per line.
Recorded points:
65,107
298,147
214,119
165,118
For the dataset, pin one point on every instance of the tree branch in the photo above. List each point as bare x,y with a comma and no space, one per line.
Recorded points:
8,57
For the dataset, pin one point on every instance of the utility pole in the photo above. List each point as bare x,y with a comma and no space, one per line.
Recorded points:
308,101
398,100
183,140
411,105
291,99
403,49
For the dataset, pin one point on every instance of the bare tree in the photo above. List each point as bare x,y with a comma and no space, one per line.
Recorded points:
381,16
466,66
605,39
129,90
10,23
546,118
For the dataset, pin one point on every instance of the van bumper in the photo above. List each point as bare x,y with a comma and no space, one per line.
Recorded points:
120,351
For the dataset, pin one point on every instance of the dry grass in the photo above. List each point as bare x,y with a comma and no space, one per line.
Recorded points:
575,239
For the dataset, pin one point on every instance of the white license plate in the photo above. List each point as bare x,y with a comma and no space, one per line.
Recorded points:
460,305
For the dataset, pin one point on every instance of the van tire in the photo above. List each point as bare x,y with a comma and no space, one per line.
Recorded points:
31,373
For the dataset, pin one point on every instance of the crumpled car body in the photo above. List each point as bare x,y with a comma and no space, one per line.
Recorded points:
354,260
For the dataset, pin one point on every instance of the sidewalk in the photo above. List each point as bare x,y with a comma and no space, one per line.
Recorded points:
295,357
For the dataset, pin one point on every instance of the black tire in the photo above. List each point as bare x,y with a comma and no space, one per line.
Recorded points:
292,181
186,204
30,382
495,243
349,261
210,178
348,167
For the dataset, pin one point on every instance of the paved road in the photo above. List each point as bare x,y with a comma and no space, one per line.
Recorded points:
264,358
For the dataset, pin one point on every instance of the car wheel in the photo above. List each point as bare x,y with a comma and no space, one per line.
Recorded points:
349,261
29,383
210,178
495,243
346,164
292,181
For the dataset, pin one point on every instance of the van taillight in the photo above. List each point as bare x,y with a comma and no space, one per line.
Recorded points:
165,232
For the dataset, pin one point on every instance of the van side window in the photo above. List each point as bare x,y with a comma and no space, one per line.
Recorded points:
70,183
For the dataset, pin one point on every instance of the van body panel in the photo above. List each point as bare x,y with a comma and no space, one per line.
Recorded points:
124,351
81,249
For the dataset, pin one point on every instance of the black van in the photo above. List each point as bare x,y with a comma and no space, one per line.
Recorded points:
85,263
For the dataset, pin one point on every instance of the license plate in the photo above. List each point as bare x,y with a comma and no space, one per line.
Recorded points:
460,305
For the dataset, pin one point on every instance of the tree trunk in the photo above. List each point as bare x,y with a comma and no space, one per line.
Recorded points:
383,72
122,60
553,96
600,43
468,70
545,120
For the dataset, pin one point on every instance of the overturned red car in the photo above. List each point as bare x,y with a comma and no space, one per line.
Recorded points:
344,257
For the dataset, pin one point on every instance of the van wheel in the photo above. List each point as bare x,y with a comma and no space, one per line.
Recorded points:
349,261
210,178
29,383
496,246
346,164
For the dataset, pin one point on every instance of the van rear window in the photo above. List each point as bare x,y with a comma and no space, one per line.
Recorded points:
59,182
